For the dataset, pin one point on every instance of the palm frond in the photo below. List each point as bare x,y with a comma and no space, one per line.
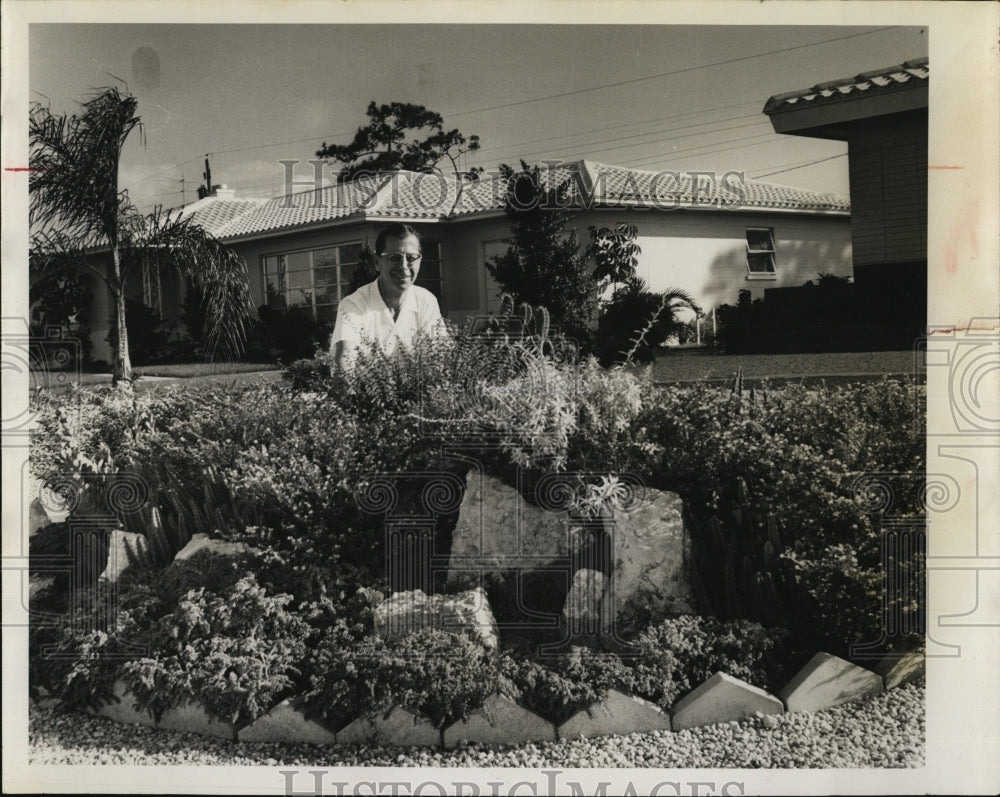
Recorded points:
170,242
74,161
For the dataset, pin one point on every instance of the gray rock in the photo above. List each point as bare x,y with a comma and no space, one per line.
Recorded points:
202,542
37,517
466,613
583,607
497,529
123,548
649,554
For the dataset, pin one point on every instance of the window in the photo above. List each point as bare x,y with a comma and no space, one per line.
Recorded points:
151,295
313,279
430,267
760,253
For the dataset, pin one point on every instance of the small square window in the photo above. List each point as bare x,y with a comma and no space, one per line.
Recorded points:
760,253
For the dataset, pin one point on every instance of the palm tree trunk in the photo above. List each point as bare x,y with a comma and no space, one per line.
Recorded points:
122,371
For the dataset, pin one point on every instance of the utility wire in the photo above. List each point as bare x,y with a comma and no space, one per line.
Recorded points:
667,74
801,166
549,97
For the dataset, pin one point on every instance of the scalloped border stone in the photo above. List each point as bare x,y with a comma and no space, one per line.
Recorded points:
123,709
616,714
899,670
722,698
399,727
191,717
285,723
500,721
827,681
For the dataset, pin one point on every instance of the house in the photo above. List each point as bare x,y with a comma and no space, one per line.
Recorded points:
711,235
882,115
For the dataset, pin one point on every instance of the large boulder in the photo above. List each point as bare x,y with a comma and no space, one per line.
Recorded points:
498,529
466,613
642,558
649,551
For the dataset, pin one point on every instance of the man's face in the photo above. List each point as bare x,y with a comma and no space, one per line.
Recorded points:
399,264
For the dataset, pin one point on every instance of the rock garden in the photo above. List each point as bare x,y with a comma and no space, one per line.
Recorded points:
486,542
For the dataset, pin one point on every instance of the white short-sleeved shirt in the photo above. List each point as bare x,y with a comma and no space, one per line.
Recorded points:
364,316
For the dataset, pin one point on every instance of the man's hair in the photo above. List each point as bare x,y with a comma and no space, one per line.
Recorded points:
397,230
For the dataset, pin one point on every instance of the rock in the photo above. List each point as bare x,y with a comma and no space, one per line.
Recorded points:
398,727
37,516
828,681
584,602
616,714
286,724
202,542
190,717
124,547
499,530
122,709
722,698
466,613
54,505
500,721
649,552
900,669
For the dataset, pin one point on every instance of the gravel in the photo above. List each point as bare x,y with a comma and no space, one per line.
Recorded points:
885,731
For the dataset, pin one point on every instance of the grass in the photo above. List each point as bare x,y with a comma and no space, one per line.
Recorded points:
186,370
830,367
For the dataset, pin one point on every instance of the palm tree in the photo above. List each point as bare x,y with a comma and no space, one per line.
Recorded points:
77,212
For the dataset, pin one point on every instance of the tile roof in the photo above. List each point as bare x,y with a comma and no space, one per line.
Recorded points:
905,76
412,195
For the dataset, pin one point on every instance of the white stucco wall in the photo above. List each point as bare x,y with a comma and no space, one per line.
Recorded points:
704,253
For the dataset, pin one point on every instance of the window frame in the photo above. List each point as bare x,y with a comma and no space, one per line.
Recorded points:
283,289
754,251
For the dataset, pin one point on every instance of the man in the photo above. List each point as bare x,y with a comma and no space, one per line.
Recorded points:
392,309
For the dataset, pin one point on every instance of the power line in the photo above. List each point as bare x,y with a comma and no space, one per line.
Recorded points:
668,74
640,143
549,97
801,166
630,124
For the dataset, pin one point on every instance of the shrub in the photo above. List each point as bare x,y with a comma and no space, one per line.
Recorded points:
769,485
286,335
236,651
559,686
441,675
678,654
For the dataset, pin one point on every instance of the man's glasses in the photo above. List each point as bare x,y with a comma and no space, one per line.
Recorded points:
397,258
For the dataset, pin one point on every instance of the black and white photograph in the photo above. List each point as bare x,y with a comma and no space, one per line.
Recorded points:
501,398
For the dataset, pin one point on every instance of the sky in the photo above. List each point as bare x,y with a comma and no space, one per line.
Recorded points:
651,96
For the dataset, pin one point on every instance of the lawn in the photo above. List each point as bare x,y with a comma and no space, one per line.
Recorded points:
691,366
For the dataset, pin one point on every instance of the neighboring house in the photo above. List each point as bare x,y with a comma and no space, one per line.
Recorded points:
882,115
709,235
